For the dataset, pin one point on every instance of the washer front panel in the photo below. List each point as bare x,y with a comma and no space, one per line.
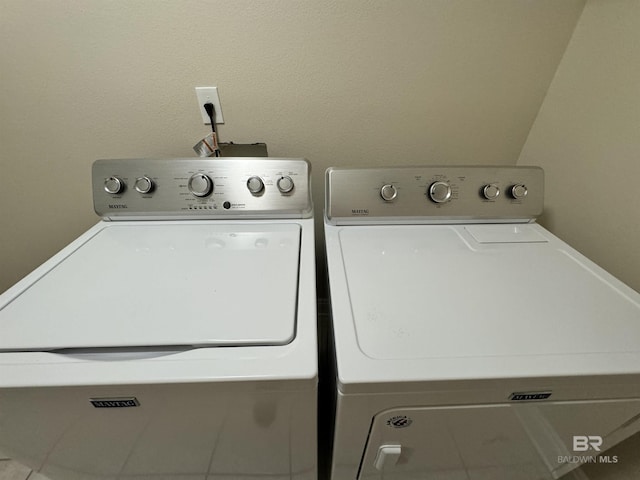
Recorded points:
150,284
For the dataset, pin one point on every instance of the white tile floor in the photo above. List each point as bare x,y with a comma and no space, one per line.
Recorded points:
628,469
11,470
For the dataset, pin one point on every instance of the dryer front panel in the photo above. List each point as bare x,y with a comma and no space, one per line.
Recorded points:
532,441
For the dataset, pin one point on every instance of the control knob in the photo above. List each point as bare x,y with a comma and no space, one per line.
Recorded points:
255,185
285,184
144,184
200,185
114,185
388,193
491,191
440,192
519,191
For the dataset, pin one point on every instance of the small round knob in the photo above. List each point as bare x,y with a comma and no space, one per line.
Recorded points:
388,193
113,185
285,184
143,184
255,185
440,192
200,185
491,191
519,191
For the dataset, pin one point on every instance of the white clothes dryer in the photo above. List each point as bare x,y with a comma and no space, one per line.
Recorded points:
177,337
470,343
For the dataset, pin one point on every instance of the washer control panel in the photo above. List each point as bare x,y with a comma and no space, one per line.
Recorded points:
202,188
433,194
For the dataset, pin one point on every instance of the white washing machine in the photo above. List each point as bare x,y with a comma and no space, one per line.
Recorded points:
470,343
176,339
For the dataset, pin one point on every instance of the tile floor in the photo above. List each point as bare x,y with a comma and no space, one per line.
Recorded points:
11,470
628,469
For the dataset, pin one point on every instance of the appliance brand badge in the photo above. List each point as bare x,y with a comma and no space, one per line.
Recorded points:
115,402
529,396
118,205
361,212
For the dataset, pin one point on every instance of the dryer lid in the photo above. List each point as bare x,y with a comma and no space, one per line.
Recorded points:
443,292
163,285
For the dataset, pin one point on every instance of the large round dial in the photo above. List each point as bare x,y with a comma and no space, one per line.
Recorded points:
143,184
285,184
113,185
200,185
519,191
440,192
255,185
388,192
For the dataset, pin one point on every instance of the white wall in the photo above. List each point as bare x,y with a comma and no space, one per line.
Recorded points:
338,82
587,138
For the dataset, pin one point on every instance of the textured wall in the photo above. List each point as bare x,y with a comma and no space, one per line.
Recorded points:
340,83
587,138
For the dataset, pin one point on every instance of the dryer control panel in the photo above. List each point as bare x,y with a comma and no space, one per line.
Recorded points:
127,189
433,194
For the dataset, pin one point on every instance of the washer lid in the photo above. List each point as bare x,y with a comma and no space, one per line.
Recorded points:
154,285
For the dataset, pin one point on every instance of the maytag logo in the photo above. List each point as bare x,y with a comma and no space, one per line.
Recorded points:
118,205
115,402
359,211
529,396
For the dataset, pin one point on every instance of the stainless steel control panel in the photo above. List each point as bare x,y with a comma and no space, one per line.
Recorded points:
433,194
127,189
